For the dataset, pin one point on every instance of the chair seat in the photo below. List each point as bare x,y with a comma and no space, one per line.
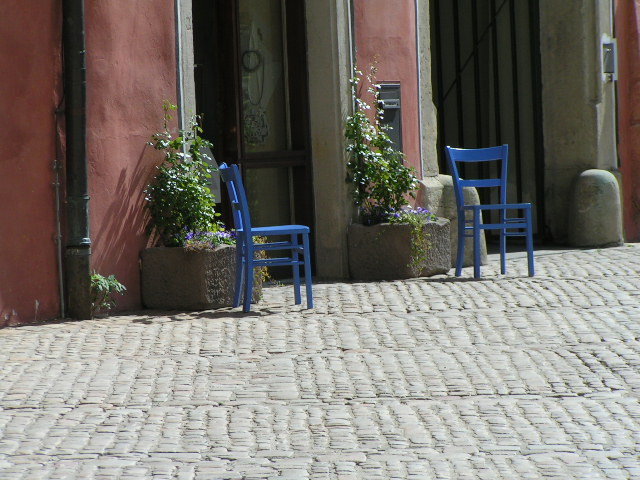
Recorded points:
498,206
279,230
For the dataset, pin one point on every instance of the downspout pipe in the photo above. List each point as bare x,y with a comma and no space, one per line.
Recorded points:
78,245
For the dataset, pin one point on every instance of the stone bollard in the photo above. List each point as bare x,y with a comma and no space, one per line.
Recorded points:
437,195
595,214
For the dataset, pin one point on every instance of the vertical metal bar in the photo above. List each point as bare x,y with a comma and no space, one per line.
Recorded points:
442,133
292,203
237,71
496,72
57,167
516,99
285,66
285,72
534,36
459,99
496,78
476,75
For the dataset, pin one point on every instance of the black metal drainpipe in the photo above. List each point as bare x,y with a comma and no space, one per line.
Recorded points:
78,245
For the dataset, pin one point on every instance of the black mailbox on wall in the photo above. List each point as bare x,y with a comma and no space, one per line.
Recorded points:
390,101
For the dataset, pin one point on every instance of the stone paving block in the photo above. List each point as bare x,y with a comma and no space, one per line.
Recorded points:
504,378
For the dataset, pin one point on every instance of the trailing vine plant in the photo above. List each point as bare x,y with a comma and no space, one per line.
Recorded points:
417,218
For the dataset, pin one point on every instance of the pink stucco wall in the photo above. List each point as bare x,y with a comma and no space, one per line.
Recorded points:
29,92
628,33
386,31
130,71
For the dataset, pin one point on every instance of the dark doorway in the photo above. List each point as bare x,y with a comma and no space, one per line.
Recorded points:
251,87
487,88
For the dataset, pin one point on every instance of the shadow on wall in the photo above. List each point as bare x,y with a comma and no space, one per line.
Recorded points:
120,236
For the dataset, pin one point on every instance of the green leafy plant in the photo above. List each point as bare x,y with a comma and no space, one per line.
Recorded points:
375,170
103,290
418,218
178,198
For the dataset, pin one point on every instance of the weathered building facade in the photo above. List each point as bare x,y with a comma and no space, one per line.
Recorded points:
272,79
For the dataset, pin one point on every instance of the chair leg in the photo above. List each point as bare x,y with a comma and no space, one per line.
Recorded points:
296,269
239,273
503,244
461,239
476,243
529,243
307,270
248,278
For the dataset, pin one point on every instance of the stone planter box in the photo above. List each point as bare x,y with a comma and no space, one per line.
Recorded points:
383,252
177,279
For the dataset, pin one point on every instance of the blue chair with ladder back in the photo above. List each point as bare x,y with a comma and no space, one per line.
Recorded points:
296,245
508,226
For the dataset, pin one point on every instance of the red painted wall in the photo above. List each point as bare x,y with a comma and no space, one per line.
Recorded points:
628,34
130,71
388,33
29,92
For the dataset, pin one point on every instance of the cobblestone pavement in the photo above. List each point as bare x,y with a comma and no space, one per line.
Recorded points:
508,377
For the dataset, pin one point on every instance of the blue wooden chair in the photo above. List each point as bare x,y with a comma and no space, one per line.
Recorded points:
296,245
509,226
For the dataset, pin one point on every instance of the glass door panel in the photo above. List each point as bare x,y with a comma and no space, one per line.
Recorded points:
263,73
248,54
269,200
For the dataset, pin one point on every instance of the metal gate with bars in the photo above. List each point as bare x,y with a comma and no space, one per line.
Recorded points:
487,88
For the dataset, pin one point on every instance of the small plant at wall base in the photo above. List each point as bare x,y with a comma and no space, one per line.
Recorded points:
375,170
103,290
178,198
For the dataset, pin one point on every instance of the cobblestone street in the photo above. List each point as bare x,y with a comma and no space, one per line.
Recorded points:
509,377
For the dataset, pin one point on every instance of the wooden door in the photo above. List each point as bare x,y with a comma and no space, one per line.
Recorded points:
251,86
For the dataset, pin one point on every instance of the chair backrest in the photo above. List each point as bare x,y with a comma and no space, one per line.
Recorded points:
231,176
478,155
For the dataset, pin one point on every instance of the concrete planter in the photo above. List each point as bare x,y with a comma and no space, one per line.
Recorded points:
177,279
383,252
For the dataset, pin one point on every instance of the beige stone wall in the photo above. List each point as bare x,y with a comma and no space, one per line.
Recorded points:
329,58
428,115
578,103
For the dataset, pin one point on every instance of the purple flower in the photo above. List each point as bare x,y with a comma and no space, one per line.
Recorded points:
411,215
